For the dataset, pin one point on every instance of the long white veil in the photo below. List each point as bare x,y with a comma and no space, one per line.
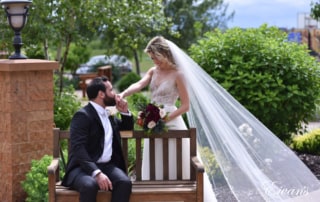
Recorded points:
256,165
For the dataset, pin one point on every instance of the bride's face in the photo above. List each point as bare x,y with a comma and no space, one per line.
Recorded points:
158,60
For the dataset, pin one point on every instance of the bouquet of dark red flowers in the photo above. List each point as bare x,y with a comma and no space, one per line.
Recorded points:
152,119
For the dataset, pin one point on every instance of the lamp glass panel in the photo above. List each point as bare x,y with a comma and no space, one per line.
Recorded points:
18,10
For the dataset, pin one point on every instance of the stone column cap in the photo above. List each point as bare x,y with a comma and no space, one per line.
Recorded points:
27,65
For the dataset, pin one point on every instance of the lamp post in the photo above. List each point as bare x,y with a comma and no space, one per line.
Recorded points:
17,12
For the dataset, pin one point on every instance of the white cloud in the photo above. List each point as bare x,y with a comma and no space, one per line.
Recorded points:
240,2
253,13
294,3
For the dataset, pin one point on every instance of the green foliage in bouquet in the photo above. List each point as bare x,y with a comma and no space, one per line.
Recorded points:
152,119
137,102
307,143
276,80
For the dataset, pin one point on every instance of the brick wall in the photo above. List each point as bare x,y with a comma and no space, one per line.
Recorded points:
26,120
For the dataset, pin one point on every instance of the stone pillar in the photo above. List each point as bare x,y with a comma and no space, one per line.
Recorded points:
26,120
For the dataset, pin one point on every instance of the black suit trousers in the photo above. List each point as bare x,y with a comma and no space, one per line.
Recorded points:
88,187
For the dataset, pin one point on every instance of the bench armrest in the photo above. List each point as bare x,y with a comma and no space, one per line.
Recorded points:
197,164
199,169
52,177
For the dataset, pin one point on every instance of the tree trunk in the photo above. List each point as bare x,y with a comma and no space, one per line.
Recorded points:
136,58
45,45
64,60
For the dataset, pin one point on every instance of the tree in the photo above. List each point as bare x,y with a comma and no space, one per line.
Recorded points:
276,80
192,18
130,24
315,9
6,34
125,25
56,24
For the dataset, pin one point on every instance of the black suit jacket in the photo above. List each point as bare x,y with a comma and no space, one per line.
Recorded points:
87,142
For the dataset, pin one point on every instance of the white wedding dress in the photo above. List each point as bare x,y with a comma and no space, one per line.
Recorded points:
256,165
166,94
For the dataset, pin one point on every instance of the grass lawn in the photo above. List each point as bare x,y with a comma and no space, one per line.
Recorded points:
145,63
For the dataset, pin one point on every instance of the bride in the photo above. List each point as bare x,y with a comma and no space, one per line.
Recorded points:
167,84
256,165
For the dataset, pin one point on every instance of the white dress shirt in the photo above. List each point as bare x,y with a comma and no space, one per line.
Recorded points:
108,135
107,149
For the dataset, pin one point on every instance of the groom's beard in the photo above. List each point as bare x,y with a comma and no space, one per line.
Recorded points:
109,101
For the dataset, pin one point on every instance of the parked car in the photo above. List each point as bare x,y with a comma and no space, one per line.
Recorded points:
117,61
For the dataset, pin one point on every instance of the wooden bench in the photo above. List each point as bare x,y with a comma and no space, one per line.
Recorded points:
86,78
190,190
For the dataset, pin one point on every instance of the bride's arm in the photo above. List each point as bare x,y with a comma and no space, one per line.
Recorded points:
135,87
184,98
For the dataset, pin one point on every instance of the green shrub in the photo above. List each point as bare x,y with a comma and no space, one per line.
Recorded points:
276,80
316,116
127,80
36,182
307,143
211,166
131,156
65,105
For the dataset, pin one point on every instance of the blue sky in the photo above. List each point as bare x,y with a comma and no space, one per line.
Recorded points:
280,13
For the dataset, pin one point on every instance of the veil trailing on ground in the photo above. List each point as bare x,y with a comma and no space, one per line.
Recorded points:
256,165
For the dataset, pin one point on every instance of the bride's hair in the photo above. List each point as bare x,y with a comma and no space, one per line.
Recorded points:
158,45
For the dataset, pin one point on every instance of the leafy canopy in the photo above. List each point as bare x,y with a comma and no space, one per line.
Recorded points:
278,81
192,18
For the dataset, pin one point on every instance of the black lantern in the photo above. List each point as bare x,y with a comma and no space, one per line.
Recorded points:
17,12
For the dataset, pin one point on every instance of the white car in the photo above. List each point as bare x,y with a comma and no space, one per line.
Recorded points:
118,61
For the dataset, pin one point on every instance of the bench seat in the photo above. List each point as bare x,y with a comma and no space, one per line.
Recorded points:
190,190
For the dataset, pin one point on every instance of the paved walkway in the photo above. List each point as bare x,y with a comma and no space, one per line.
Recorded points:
313,125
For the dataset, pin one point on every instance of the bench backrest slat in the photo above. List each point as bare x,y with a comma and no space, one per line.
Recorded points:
138,137
138,158
179,158
165,162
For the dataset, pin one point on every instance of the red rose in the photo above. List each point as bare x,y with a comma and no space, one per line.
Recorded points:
140,122
152,113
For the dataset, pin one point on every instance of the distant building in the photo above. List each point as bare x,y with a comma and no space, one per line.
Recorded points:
307,32
305,21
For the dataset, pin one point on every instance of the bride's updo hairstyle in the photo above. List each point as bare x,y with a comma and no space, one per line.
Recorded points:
159,47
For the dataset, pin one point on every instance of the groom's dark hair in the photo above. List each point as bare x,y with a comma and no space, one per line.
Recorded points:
96,85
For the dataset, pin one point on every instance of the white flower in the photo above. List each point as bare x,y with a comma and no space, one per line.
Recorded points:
139,114
162,113
256,140
111,111
268,161
151,124
245,129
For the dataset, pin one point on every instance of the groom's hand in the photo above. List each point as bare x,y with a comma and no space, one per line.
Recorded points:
103,181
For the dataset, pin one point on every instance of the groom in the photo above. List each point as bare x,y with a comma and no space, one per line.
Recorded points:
95,158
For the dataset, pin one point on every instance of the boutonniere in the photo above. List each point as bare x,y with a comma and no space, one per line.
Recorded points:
152,119
112,111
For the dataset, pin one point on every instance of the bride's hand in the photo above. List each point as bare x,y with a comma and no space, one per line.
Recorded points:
121,95
121,104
